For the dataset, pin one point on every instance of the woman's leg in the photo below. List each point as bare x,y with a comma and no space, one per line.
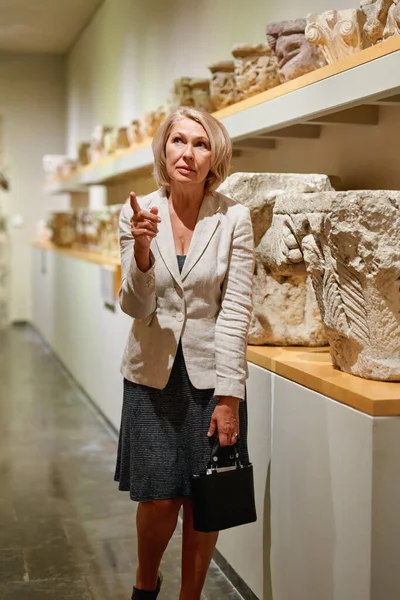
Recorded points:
156,522
197,551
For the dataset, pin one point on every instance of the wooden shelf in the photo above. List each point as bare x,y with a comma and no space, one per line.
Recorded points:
98,258
364,78
312,368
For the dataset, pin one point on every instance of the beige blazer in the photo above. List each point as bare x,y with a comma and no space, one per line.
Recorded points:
208,306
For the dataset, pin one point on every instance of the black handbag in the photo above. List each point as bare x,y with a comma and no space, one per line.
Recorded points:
223,497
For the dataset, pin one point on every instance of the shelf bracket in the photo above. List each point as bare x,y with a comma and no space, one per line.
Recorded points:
255,143
295,131
359,115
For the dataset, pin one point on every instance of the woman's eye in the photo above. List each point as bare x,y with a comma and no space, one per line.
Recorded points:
177,140
201,144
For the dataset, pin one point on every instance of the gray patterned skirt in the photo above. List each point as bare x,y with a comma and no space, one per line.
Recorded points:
163,436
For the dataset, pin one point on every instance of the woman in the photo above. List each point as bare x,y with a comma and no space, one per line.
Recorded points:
187,262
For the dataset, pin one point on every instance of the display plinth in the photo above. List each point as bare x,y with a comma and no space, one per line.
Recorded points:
310,367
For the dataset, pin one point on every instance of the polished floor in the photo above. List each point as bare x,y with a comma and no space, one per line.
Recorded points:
66,532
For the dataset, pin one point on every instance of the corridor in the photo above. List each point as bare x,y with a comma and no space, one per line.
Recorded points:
66,532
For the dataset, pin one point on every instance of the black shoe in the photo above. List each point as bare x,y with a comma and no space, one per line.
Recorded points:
148,594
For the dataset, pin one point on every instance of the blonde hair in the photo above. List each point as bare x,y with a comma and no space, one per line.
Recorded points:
220,144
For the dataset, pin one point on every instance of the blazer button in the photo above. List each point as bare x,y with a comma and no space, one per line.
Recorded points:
179,317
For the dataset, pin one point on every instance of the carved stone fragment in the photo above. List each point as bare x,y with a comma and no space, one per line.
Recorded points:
135,133
97,147
201,94
183,92
285,308
376,13
152,120
116,139
294,54
393,22
339,33
223,90
256,69
350,242
83,153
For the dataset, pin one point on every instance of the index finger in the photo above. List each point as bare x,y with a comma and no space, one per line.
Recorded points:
134,203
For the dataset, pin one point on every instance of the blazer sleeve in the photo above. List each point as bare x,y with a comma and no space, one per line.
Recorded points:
233,321
137,296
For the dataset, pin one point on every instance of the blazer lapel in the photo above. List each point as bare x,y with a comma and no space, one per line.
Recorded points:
206,225
165,238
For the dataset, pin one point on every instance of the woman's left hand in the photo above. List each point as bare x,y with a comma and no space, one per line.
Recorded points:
225,420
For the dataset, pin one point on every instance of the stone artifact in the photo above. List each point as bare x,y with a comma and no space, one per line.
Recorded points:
285,309
152,120
376,13
339,33
223,90
116,139
294,54
83,154
135,133
97,147
183,92
350,242
51,164
108,220
393,22
62,227
256,69
201,95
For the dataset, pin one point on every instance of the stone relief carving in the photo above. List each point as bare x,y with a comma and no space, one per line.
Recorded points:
294,54
223,91
152,120
201,94
350,242
183,92
116,139
339,33
285,307
376,13
83,153
97,148
256,69
135,133
393,22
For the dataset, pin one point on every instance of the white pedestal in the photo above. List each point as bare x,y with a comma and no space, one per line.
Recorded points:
326,476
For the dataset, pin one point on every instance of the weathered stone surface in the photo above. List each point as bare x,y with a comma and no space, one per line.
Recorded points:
339,33
152,120
83,153
183,92
285,308
116,139
135,133
201,94
393,22
295,56
223,90
350,242
97,147
376,13
256,69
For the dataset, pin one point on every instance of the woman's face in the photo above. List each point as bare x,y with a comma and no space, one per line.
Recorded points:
188,153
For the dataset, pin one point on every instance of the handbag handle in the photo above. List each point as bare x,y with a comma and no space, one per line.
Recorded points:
214,455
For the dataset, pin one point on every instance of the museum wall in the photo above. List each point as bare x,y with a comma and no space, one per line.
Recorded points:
32,110
127,58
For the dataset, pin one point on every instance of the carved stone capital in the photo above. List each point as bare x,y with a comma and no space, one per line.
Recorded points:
350,242
339,33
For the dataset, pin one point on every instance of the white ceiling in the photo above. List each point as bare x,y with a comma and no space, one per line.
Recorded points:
37,26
